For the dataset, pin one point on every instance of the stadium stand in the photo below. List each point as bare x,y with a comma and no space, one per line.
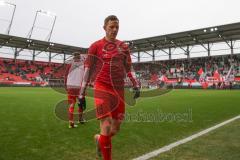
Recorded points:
214,70
28,72
184,71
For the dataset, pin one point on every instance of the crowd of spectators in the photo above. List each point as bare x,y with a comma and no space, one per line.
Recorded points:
35,71
29,71
189,68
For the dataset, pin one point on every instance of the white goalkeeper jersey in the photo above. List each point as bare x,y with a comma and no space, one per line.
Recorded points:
75,74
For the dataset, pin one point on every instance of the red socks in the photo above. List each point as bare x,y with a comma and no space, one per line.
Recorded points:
70,113
106,147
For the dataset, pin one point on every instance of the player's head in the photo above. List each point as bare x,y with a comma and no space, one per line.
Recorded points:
111,26
76,56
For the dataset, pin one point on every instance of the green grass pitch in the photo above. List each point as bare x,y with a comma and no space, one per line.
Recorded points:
222,143
29,128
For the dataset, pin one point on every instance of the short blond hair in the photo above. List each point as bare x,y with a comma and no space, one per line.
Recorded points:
110,18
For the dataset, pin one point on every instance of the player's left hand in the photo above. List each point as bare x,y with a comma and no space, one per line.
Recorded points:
136,91
82,103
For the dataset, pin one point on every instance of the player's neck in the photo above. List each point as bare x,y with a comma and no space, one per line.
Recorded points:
76,60
110,39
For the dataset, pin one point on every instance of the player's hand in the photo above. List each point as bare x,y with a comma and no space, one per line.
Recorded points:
82,103
136,91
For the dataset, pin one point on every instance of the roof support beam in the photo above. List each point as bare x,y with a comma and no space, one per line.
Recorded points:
195,38
64,58
231,46
68,57
208,49
176,45
156,46
133,55
50,57
138,57
224,39
33,55
6,42
153,55
170,53
38,53
55,55
147,53
204,46
159,48
188,52
15,54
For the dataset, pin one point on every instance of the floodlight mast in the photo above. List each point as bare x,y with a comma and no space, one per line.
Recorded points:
46,13
2,3
48,38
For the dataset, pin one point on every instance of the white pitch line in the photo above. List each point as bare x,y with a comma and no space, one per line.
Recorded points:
185,140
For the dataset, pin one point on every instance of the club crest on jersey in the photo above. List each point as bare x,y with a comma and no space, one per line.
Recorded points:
110,46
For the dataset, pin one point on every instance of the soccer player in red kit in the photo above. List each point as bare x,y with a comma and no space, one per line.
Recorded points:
73,80
109,60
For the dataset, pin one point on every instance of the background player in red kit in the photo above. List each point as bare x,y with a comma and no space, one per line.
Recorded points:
110,61
73,80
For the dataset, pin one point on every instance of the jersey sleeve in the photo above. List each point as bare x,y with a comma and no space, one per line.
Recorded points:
91,56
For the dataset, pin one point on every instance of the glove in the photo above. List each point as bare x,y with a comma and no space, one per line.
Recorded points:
82,103
136,92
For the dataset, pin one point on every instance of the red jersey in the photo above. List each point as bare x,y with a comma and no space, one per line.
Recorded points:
109,62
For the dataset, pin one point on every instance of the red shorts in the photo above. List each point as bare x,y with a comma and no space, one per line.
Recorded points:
73,94
109,102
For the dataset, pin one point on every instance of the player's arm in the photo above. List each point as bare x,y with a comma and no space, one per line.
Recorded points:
128,68
68,66
81,98
136,87
88,67
131,76
86,77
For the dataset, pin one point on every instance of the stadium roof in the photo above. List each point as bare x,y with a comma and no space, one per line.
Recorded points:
38,45
223,33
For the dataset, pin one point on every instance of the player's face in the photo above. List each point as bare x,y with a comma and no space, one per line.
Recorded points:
111,29
76,57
